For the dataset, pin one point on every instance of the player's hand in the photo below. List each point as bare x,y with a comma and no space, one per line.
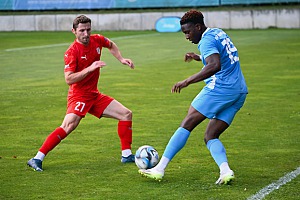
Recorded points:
178,86
191,56
128,62
96,65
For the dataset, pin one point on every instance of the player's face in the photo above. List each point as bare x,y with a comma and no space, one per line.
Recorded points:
192,32
82,33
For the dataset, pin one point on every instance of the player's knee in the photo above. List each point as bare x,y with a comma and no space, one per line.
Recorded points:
128,115
68,127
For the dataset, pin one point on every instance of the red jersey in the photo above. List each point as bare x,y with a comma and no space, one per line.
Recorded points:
79,57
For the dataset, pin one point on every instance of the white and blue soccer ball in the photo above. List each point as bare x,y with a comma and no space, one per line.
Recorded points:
146,157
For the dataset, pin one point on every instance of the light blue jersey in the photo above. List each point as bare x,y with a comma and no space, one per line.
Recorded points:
229,80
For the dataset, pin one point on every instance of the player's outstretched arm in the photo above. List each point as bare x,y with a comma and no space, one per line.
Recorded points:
213,65
188,57
114,50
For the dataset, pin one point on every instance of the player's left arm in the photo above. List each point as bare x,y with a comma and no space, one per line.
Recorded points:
114,50
213,65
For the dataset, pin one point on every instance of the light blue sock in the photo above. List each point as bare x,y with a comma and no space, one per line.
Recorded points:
217,151
176,142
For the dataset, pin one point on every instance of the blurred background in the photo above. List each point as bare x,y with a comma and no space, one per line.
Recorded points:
111,15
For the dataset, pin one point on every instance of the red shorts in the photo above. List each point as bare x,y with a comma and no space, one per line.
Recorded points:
95,106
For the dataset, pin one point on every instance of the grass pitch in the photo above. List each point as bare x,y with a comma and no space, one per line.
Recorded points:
262,144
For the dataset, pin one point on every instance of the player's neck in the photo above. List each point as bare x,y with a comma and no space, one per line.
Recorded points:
82,43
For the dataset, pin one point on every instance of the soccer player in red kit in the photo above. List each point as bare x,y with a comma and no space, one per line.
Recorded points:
82,71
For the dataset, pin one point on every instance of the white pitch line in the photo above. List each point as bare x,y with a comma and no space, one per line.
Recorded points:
275,186
135,36
37,47
65,44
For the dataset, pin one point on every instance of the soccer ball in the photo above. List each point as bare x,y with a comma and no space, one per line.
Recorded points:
146,157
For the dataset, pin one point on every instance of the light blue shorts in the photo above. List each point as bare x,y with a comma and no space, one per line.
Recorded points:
219,106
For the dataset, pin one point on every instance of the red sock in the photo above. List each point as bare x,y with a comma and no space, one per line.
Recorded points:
125,134
53,140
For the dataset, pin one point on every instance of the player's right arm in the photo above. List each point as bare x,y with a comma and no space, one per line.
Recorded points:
74,77
191,56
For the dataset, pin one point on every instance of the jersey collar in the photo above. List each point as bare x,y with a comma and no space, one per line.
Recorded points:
207,29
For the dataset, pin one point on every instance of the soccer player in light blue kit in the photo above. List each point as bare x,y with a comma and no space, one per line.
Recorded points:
222,97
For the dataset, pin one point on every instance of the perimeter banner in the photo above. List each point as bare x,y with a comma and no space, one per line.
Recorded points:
56,4
164,3
122,4
99,4
6,4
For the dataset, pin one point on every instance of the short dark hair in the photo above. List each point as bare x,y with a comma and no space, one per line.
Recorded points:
192,16
81,19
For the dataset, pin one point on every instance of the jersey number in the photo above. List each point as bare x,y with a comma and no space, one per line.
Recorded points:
230,48
79,106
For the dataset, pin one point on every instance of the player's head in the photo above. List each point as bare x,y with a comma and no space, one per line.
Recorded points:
82,29
192,25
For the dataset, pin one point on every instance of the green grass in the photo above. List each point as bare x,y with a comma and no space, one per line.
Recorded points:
262,144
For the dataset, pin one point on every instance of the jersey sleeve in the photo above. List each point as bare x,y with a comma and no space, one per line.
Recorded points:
104,42
208,47
70,60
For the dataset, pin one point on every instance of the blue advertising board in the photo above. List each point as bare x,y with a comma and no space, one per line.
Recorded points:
168,24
